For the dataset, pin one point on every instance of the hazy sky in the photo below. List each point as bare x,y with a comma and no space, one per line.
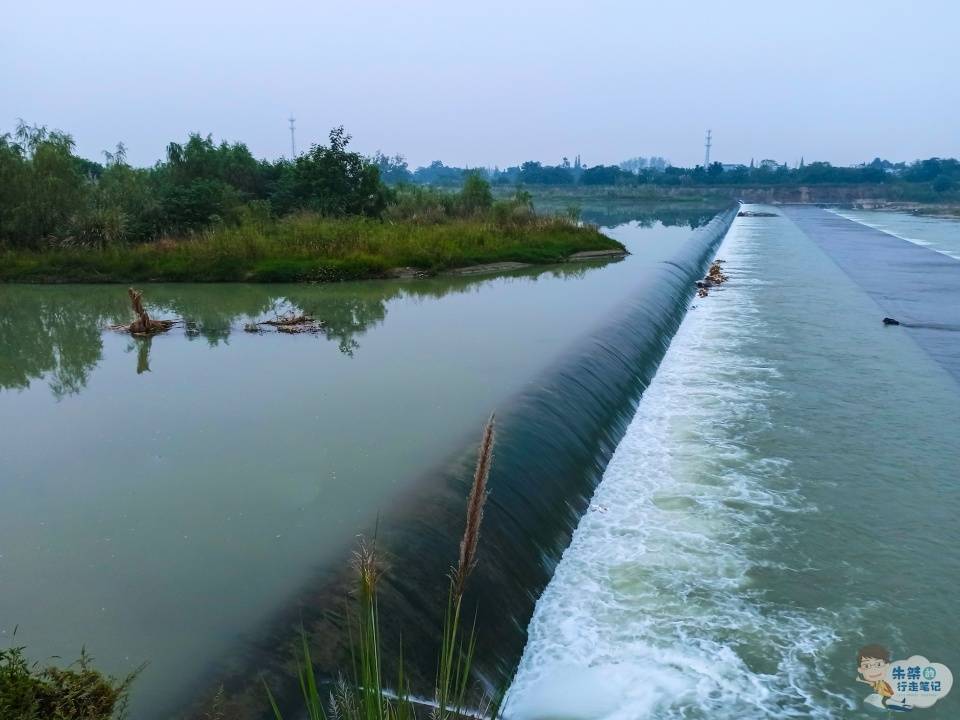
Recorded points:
486,83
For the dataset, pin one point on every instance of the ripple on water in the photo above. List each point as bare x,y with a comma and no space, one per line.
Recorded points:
653,610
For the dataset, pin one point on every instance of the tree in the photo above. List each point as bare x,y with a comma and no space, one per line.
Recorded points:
534,173
333,181
436,173
943,184
475,195
393,170
606,175
44,186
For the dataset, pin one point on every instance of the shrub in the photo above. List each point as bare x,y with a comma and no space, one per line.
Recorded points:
78,692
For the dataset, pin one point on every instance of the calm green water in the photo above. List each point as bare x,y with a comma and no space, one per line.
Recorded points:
786,493
160,499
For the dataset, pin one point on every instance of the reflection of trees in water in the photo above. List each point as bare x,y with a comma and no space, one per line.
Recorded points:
56,332
684,217
612,213
52,332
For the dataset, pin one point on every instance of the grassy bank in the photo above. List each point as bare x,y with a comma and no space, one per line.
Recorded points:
309,248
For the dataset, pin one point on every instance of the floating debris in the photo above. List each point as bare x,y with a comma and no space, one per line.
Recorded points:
715,276
290,324
144,325
288,320
890,321
755,213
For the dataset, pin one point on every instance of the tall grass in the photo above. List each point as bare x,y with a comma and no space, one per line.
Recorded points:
29,691
366,694
308,247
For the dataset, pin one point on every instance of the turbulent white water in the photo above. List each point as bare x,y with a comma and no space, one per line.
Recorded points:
651,612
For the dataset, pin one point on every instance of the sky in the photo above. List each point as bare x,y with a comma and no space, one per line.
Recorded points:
494,83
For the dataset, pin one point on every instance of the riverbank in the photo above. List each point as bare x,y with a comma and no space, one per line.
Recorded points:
309,248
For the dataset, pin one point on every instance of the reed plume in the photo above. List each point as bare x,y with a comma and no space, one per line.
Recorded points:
367,565
364,697
475,503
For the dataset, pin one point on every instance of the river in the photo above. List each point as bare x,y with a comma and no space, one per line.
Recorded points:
181,501
785,494
700,508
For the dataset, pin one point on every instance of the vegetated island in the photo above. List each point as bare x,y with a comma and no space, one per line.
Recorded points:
213,213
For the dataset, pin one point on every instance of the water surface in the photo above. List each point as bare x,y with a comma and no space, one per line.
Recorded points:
785,494
162,499
937,233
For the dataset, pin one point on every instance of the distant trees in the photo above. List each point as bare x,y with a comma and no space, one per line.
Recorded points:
436,173
656,170
932,168
943,183
534,173
50,196
393,170
637,165
607,175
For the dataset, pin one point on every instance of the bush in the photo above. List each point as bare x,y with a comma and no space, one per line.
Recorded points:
28,692
475,195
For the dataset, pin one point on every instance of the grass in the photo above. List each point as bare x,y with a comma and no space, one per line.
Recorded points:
310,248
366,695
78,692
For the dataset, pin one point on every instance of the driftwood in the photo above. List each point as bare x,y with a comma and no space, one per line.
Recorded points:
290,324
144,324
714,277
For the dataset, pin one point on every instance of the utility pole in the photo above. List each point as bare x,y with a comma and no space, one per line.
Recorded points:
293,142
706,159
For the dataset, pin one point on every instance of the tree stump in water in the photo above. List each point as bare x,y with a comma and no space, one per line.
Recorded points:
144,324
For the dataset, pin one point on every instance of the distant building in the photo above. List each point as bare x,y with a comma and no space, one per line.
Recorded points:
730,167
637,164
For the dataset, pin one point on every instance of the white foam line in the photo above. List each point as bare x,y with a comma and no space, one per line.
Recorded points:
888,231
651,602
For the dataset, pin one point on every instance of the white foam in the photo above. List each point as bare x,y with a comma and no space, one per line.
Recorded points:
889,230
651,612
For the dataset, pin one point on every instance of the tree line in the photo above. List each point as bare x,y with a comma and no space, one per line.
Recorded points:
50,195
942,174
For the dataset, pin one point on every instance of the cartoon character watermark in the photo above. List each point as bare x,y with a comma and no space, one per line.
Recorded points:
901,685
873,661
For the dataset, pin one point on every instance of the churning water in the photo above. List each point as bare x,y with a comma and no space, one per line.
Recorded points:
785,494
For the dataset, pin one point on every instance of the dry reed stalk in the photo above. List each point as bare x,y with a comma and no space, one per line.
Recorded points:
368,567
475,503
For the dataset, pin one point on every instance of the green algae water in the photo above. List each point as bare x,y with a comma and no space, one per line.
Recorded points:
785,494
775,491
160,500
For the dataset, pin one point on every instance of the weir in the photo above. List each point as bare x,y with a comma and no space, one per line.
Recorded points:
911,283
554,440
